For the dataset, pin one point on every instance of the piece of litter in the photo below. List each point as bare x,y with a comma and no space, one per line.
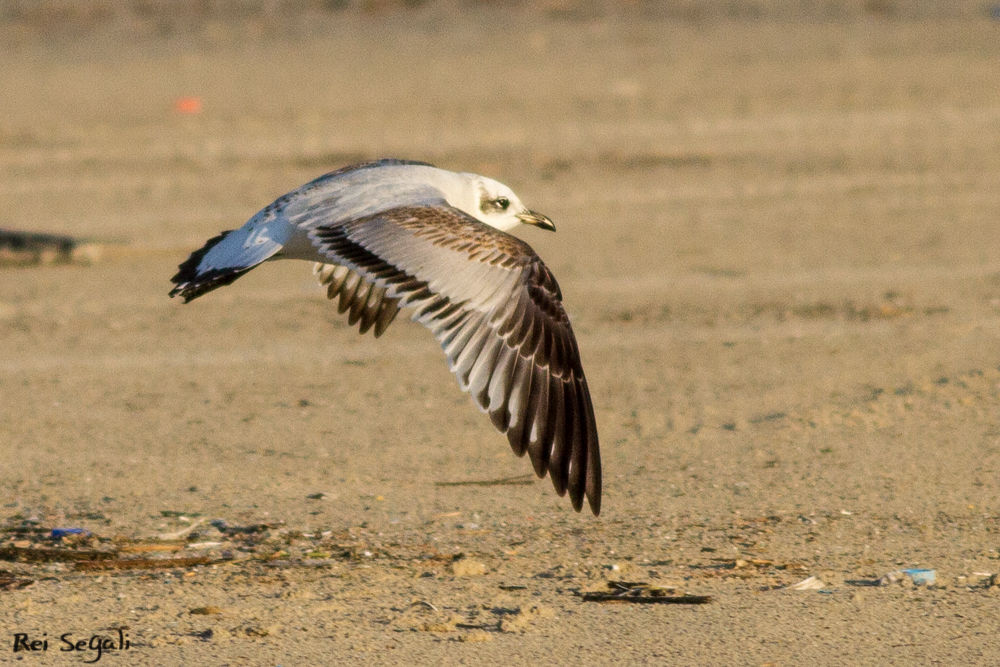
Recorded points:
180,533
921,577
187,105
917,577
810,584
58,533
204,545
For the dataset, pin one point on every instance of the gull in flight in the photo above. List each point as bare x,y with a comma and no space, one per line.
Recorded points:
397,234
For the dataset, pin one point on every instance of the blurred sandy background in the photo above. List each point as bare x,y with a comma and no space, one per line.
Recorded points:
778,242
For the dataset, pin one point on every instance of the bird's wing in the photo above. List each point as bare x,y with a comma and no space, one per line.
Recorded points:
366,301
496,310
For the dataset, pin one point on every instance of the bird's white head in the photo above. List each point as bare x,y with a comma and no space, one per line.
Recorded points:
496,205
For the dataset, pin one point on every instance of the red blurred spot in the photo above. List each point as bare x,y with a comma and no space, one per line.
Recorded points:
187,105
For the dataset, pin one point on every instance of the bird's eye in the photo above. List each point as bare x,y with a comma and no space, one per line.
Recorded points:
498,205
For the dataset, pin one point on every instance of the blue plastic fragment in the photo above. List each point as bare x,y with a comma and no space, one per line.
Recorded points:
66,532
921,577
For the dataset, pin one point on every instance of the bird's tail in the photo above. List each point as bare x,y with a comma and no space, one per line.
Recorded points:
222,260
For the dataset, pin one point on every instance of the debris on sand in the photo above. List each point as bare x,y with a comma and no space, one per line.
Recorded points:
145,547
640,592
225,528
810,584
915,577
143,563
519,480
40,555
18,249
921,577
9,581
206,611
59,533
183,532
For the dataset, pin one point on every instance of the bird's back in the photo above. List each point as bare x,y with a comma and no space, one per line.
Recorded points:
363,191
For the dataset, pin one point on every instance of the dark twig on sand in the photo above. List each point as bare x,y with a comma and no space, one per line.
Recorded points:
643,593
520,480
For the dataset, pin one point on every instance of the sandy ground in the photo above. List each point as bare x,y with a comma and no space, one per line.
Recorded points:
779,246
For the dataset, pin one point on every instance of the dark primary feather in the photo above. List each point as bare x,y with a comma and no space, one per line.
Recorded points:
191,283
503,328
